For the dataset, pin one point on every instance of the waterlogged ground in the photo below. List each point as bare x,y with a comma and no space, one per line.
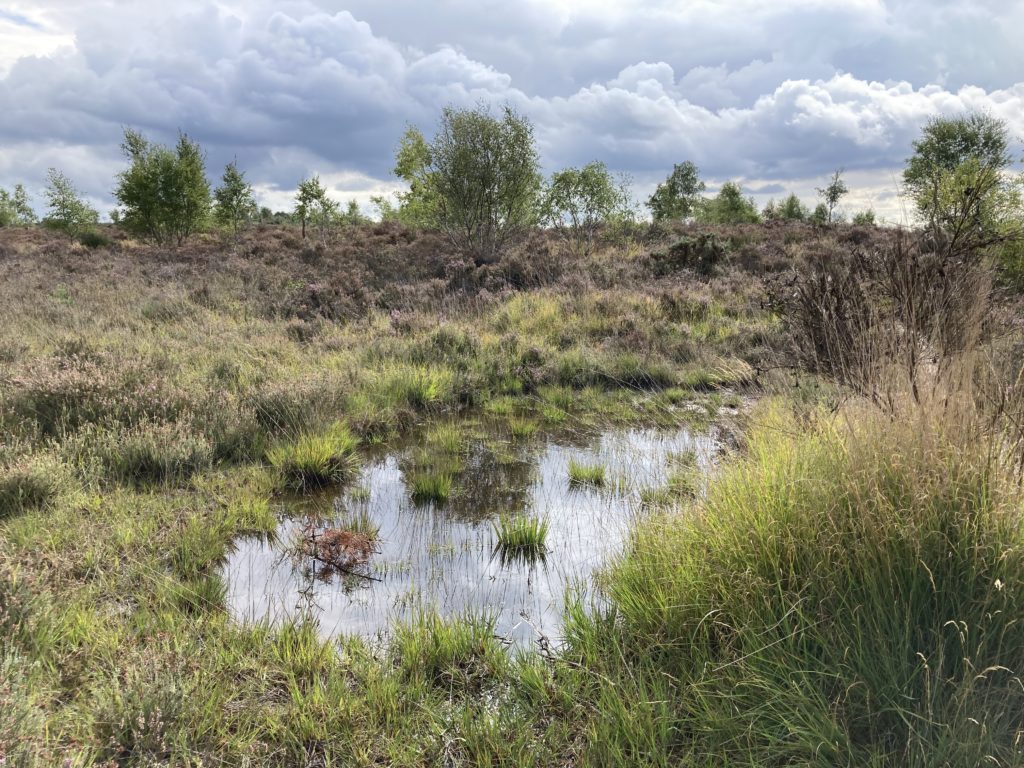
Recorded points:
442,556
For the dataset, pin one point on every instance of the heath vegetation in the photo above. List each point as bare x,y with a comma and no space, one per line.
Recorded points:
845,589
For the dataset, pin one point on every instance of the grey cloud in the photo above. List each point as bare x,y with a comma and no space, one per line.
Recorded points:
767,92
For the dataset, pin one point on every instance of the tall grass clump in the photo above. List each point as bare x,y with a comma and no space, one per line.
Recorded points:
147,454
316,460
581,474
28,484
520,538
850,593
458,652
431,487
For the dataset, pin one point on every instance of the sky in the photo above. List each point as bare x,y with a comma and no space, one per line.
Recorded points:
775,95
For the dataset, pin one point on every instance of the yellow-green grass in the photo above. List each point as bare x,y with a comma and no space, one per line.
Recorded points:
583,474
316,460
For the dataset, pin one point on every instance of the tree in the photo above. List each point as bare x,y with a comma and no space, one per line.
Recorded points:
418,206
579,201
164,192
792,209
352,215
482,184
313,205
234,203
15,209
679,195
956,176
67,211
820,215
728,207
832,193
864,218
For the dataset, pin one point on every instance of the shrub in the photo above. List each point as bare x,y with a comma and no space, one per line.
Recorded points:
67,211
480,179
703,254
93,240
579,201
164,192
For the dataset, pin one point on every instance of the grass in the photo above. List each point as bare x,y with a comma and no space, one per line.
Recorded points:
846,592
522,429
316,460
867,564
520,537
431,487
29,485
581,474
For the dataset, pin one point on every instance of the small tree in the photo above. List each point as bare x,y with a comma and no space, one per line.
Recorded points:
820,215
67,211
792,209
483,181
15,210
352,215
679,196
579,201
729,206
958,181
164,192
314,206
832,193
418,207
234,204
864,218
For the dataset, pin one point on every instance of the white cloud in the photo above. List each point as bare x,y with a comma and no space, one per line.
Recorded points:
773,94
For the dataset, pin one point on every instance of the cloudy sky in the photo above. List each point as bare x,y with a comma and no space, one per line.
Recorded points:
774,94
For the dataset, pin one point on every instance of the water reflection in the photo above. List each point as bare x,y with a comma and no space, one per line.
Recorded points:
442,557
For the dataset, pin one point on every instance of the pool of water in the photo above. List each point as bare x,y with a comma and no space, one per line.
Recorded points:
442,557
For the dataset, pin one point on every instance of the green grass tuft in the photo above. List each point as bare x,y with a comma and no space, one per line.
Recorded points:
29,484
520,537
431,487
581,474
317,460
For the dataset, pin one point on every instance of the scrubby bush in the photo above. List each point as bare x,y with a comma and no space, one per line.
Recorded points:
234,204
729,206
164,193
579,201
679,196
703,253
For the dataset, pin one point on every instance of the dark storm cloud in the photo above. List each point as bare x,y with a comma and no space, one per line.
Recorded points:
773,93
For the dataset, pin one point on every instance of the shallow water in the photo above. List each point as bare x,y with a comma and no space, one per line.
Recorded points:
442,557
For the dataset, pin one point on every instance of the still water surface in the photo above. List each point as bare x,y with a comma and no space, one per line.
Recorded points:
441,557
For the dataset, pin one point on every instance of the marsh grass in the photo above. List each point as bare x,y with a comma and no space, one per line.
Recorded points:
520,538
586,475
522,429
316,460
431,487
870,557
460,653
446,438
